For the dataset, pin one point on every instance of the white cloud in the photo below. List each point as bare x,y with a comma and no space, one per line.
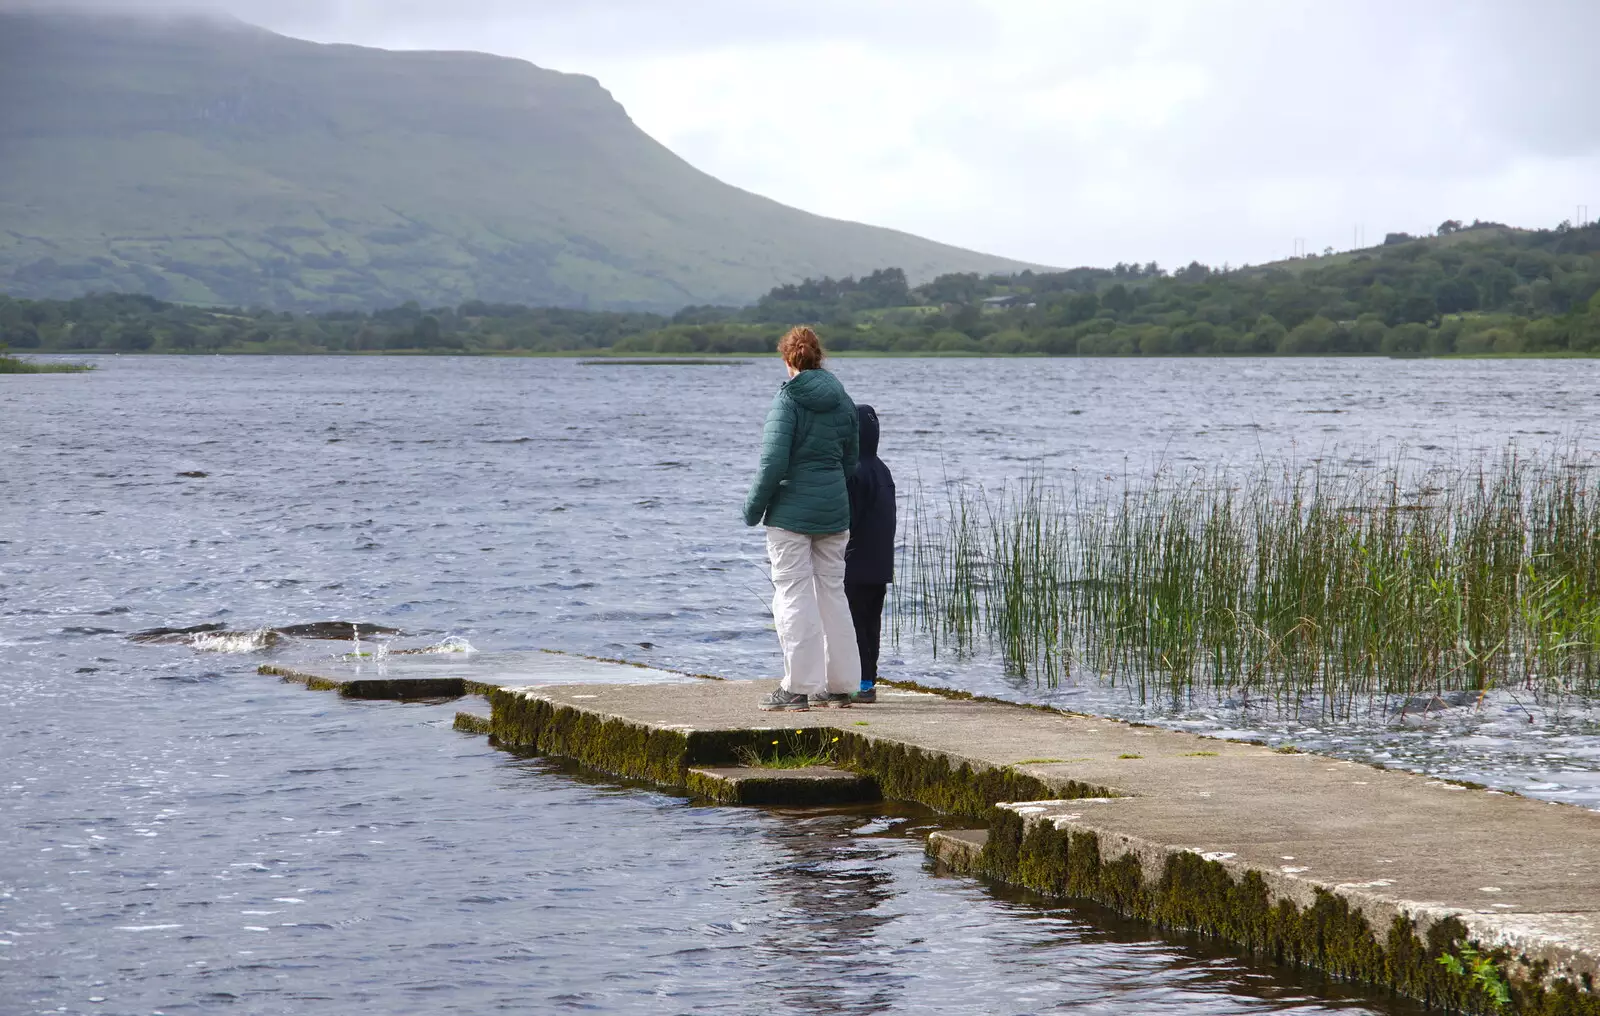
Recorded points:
1095,132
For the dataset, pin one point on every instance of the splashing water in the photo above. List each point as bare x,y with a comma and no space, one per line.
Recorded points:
383,650
234,641
450,644
379,653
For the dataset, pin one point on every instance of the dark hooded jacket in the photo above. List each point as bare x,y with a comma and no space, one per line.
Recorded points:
869,559
808,447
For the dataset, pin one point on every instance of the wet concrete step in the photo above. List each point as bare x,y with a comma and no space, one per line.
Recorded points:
472,723
374,686
813,785
451,675
960,850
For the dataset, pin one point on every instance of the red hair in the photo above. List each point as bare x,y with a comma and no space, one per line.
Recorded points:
801,349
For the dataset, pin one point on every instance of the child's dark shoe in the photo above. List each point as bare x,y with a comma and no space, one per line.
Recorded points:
831,700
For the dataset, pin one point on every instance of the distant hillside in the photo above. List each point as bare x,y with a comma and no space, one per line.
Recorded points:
207,162
1482,290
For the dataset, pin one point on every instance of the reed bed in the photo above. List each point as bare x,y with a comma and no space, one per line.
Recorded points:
1287,581
17,365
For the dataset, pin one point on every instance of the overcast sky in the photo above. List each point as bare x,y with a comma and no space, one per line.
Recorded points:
1075,131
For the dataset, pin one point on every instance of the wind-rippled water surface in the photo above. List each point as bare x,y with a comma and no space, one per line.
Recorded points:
180,834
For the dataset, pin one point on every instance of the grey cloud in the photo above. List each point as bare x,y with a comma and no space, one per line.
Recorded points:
1533,69
1355,90
1345,74
610,26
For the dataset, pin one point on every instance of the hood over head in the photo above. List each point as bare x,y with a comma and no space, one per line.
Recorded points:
867,420
816,390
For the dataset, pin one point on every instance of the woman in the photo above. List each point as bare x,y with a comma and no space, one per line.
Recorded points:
808,447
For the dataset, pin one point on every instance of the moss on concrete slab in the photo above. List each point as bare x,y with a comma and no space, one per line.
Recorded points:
798,787
608,744
902,772
908,773
469,723
1194,894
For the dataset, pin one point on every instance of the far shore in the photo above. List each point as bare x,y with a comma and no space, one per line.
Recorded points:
33,366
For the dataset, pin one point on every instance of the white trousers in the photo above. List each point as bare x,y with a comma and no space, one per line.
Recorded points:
812,614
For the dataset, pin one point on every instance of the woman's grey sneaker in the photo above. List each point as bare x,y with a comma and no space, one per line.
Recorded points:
780,699
865,696
835,700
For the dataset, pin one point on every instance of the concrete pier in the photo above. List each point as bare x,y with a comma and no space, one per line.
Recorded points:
447,675
1369,874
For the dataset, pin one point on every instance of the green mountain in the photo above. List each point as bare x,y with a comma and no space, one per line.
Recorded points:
212,162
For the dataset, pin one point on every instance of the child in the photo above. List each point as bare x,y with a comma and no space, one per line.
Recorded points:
869,558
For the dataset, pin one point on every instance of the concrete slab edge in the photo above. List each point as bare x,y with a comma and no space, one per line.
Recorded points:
525,719
471,723
397,689
781,787
957,849
1352,933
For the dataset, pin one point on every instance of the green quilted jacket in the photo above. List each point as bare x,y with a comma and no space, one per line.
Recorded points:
808,447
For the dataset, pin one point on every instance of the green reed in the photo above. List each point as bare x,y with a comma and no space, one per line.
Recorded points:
1282,580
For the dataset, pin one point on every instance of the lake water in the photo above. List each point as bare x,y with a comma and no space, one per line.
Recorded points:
178,834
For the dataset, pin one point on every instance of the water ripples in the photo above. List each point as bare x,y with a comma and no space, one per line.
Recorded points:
177,832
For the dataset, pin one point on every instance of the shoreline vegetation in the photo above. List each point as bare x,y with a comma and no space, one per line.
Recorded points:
1326,585
1468,290
18,365
607,358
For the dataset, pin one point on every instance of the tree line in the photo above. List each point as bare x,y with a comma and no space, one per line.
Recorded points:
1479,288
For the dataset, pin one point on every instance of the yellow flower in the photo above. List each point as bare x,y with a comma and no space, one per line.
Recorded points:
836,740
799,731
774,742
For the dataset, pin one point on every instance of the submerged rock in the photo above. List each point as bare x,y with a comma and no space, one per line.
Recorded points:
1437,703
1428,710
212,636
343,630
173,636
449,644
